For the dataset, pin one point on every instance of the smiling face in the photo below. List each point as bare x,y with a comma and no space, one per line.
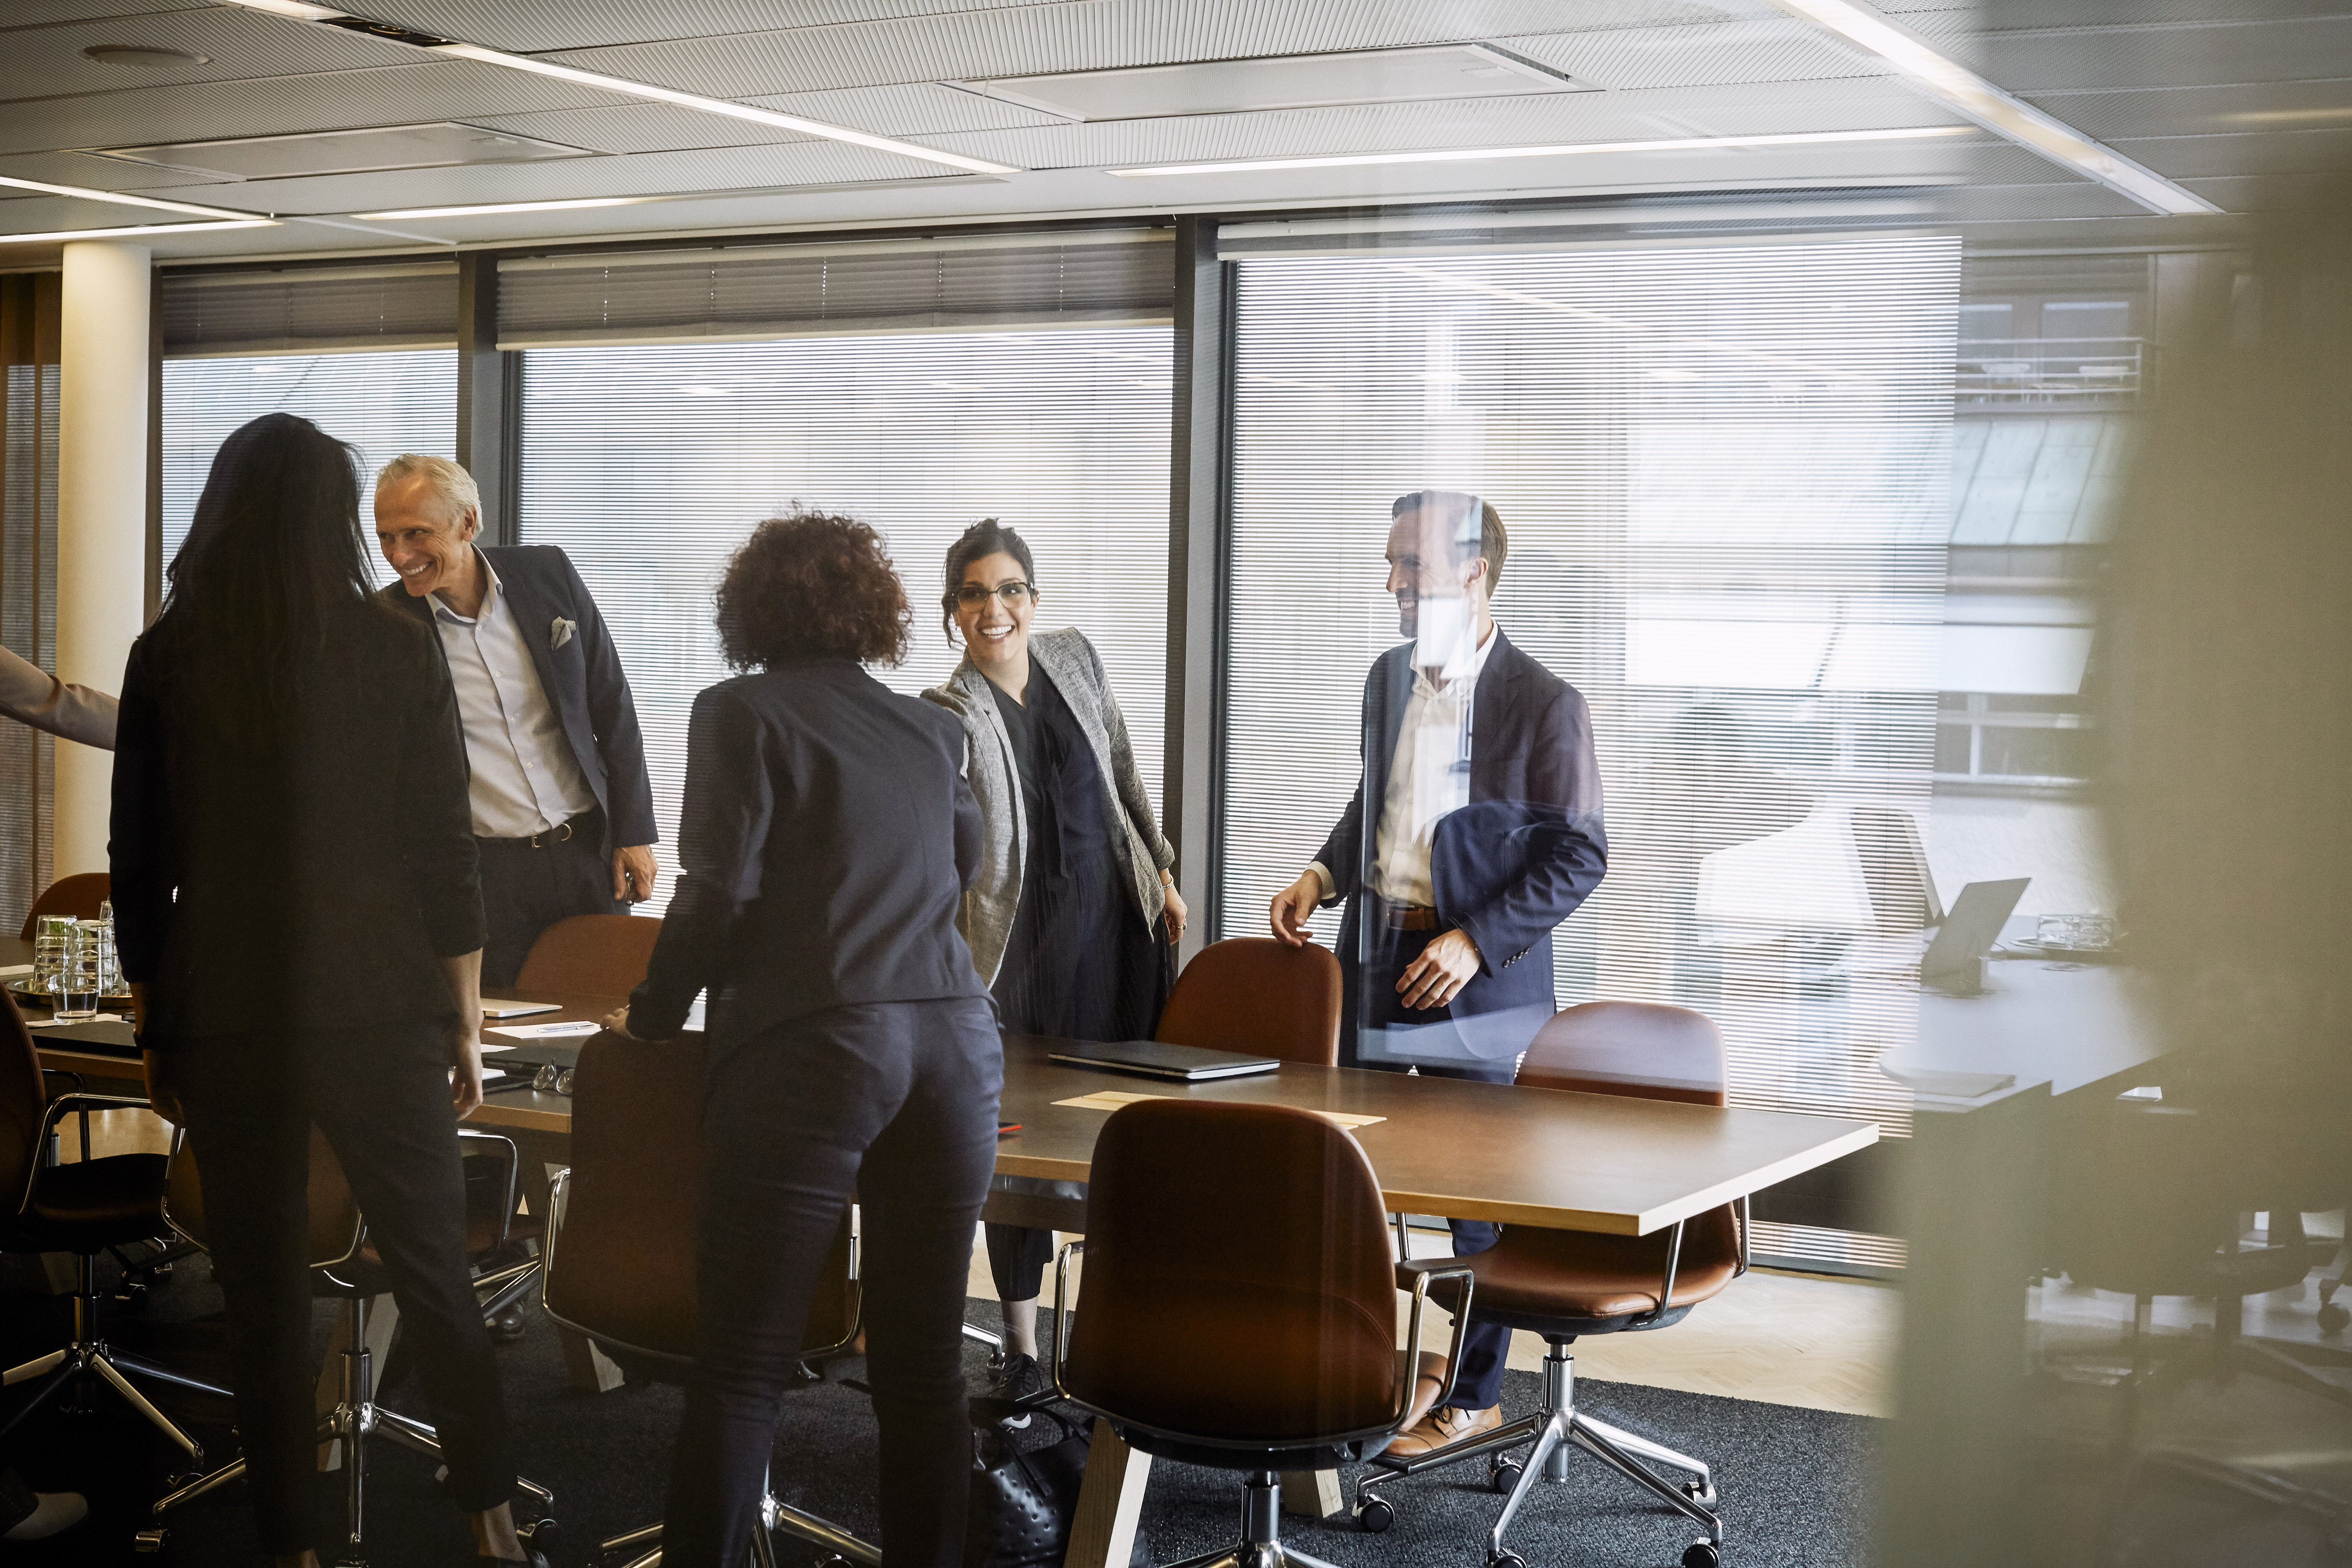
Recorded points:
423,543
1424,564
996,634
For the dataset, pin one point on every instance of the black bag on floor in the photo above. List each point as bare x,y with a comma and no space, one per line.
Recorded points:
1023,1500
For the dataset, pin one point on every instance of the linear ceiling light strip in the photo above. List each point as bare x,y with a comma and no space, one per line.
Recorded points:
457,48
2005,114
82,192
1469,154
135,231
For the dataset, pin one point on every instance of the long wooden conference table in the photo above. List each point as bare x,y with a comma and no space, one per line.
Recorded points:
1470,1150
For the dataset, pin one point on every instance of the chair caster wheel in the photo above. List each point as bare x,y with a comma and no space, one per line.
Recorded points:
2333,1318
150,1543
1505,1559
542,1535
1501,1473
1702,1554
1700,1492
1374,1514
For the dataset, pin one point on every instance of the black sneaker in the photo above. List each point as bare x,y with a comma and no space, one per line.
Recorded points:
1019,1378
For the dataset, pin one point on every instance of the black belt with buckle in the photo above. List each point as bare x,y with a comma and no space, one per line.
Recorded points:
581,827
1408,917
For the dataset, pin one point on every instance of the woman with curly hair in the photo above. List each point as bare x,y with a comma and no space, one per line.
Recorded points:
823,845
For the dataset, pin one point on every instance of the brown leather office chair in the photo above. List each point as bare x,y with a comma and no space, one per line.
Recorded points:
78,895
343,1268
84,1209
591,956
1254,993
619,1261
1562,1284
1280,1356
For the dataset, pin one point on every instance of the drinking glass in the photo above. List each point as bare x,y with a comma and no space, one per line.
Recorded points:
2075,933
78,974
50,950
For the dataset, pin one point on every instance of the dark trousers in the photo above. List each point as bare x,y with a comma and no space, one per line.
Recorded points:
896,1102
1478,1381
382,1097
526,891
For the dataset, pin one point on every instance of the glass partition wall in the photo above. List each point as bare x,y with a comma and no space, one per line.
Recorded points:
1722,472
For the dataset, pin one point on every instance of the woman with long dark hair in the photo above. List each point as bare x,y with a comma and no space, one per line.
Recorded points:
1075,914
299,912
823,845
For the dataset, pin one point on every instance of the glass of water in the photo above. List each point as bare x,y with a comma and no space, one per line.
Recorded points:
81,974
50,950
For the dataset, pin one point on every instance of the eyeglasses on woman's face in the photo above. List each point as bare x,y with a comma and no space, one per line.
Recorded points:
1015,593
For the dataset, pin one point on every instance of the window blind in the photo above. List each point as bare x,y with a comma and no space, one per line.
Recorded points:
383,403
1723,473
650,465
1090,278
400,305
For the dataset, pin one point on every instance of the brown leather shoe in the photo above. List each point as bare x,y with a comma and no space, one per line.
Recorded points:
1442,1427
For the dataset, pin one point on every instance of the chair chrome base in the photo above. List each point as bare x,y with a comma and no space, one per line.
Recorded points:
642,1548
1552,1428
355,1417
88,1359
1261,1545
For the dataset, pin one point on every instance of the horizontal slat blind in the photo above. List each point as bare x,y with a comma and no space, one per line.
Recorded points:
1723,472
650,465
770,291
383,403
407,305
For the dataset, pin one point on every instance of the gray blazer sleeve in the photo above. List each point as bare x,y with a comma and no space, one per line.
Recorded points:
34,696
1127,777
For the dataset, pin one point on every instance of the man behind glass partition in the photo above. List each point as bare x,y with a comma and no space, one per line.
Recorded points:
1486,834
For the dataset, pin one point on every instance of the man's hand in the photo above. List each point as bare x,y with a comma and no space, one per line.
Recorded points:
466,1069
1438,975
163,1093
1293,908
632,874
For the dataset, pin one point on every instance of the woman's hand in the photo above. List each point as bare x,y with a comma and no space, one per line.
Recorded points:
1173,905
466,1069
163,1091
617,1022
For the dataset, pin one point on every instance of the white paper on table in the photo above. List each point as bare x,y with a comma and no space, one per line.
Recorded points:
13,970
549,1031
70,1023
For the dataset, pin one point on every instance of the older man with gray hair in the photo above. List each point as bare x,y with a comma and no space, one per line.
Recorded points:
562,807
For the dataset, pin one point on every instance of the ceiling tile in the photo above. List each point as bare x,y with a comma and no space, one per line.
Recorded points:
2167,54
402,95
2186,158
2222,109
42,12
47,62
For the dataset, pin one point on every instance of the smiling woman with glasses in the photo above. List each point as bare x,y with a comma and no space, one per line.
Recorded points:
1073,914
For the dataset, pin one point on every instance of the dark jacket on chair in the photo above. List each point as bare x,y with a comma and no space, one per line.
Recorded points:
1511,865
582,679
308,873
825,843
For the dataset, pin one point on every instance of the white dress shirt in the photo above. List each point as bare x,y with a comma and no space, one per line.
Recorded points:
1429,776
526,779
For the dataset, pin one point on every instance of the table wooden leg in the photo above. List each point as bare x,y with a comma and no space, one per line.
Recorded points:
1310,1494
1110,1503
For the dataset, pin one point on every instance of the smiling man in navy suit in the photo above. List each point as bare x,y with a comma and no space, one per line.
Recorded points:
1483,832
562,807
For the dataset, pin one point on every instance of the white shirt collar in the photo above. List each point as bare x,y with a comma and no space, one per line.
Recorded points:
1478,662
442,610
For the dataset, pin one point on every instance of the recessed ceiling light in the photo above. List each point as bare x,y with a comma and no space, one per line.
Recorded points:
1469,154
82,192
154,57
511,207
135,231
457,48
1964,92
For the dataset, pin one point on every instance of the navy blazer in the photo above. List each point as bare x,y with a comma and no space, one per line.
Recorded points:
823,845
1513,864
584,678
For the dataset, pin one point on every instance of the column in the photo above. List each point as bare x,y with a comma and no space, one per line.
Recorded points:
102,513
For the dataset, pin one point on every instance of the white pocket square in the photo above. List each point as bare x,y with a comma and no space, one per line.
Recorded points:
561,633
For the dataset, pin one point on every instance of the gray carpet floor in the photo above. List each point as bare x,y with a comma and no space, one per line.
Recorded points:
1793,1482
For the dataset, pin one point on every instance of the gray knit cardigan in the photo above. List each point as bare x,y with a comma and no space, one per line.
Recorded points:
1071,663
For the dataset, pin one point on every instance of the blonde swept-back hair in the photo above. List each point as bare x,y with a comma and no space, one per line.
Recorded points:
451,483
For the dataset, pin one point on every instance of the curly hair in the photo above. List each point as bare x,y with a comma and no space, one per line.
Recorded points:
813,586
